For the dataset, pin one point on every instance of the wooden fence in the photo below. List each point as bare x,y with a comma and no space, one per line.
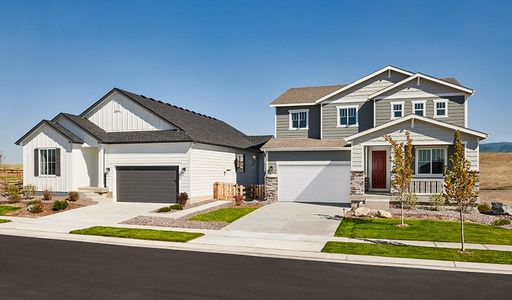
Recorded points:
226,191
11,176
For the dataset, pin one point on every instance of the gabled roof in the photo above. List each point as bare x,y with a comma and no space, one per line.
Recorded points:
258,140
304,144
72,138
424,119
449,82
304,95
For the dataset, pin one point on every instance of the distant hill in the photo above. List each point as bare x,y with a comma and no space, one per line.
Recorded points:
496,147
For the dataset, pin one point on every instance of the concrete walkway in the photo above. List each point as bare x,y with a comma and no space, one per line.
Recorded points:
291,218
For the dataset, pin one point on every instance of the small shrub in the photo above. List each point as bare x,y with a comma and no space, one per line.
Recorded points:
437,201
239,199
47,195
182,199
170,208
29,191
484,207
176,207
14,197
59,205
501,222
73,196
411,200
35,206
10,189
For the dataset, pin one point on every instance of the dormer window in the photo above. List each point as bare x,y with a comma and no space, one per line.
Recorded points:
440,108
299,119
397,110
418,108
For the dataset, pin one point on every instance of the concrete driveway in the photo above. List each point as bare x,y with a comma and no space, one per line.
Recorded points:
291,218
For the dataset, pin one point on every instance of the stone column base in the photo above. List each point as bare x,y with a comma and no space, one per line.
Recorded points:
271,188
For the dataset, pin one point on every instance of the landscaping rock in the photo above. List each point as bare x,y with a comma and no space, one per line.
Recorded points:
499,208
362,211
384,214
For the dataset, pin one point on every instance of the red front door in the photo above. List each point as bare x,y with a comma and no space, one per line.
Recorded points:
379,161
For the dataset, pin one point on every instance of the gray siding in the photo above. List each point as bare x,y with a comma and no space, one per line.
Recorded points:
456,109
273,157
356,95
283,123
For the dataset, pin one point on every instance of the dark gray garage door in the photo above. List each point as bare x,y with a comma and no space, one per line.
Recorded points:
147,184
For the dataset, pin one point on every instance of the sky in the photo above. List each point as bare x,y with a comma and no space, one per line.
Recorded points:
230,59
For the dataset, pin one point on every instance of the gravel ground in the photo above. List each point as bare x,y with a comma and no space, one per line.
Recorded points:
449,215
47,207
184,222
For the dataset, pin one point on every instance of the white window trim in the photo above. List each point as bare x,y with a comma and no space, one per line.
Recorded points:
40,174
424,102
290,123
347,107
445,101
393,112
416,156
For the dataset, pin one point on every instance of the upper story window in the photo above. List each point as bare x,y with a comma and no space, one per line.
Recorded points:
299,119
347,116
440,108
430,161
418,108
47,162
397,110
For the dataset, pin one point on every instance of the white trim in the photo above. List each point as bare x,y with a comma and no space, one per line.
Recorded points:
275,123
312,163
347,107
392,117
445,101
421,96
416,160
409,117
296,149
424,102
388,167
39,173
418,76
321,120
292,104
378,72
290,123
466,111
414,143
374,114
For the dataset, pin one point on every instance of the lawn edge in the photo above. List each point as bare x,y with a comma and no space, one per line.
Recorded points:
194,234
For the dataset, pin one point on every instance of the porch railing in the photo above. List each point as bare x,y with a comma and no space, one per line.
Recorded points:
426,186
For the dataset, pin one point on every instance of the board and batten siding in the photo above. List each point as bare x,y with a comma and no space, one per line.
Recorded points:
210,164
46,137
283,122
422,133
304,156
355,96
118,113
164,154
456,109
79,132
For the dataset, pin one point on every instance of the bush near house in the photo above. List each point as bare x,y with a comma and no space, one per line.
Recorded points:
14,193
437,201
239,199
484,207
47,195
182,199
60,205
73,196
29,191
35,206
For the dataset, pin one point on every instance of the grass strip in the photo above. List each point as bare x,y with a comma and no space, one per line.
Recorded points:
5,209
4,221
224,214
140,234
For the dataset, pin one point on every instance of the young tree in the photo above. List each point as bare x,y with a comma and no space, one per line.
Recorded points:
401,170
460,182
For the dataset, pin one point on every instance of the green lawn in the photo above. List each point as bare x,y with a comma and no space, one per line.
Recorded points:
4,221
224,214
5,209
423,230
140,234
482,256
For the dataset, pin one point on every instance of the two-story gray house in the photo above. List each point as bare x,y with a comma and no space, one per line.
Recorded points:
329,140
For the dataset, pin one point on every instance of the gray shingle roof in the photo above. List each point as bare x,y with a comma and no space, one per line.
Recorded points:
304,144
71,137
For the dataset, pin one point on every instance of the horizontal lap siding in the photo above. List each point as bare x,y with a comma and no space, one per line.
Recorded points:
172,154
283,123
357,95
131,117
210,164
46,137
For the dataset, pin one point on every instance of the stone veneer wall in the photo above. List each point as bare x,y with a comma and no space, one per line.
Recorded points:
271,188
357,179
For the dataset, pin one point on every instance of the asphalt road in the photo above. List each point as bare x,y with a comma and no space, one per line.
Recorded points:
50,269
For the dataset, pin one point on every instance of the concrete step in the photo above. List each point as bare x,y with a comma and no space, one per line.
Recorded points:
377,203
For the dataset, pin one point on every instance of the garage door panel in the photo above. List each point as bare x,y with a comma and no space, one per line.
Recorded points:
314,183
147,184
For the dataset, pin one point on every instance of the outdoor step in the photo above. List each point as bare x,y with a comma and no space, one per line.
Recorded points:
377,203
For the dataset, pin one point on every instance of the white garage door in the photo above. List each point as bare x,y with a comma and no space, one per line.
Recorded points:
310,182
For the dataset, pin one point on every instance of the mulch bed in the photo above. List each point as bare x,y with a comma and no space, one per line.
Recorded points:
447,215
47,207
184,222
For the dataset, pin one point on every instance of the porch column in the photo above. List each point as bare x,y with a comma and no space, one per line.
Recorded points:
101,166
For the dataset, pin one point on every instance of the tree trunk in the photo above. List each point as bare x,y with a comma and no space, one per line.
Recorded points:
402,210
462,229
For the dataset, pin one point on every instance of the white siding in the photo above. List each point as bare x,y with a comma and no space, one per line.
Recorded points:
46,137
85,167
118,113
212,163
87,138
172,154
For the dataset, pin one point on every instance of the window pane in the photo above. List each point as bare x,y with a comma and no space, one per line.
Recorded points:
397,110
303,119
351,120
441,112
398,114
295,116
438,161
295,124
43,158
343,121
302,124
424,167
424,161
419,109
